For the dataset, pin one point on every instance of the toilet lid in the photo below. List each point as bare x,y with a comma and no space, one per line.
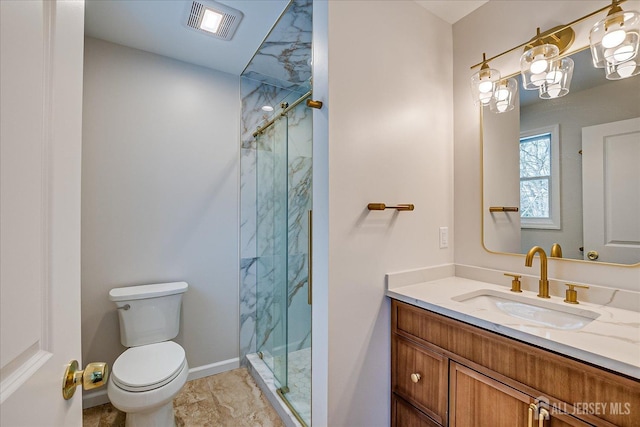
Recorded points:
148,367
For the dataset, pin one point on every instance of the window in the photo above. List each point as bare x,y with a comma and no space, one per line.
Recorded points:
540,178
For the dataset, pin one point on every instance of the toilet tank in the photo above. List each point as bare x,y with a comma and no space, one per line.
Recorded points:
148,313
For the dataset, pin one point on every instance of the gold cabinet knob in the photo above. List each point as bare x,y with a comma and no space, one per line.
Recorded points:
93,376
593,255
415,377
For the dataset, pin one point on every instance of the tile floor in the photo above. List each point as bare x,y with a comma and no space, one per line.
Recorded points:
229,399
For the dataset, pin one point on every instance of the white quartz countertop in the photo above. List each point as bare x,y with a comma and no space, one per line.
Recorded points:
611,341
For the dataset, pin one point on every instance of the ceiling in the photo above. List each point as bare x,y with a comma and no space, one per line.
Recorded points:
451,11
159,26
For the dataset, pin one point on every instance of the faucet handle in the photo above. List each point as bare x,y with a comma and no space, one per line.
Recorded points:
572,294
515,283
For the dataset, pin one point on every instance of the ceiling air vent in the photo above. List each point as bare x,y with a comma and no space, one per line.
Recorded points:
214,19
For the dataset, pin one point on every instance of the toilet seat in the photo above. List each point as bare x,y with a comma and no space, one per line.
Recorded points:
148,367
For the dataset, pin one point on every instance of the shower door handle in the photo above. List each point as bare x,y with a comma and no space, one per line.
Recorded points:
309,256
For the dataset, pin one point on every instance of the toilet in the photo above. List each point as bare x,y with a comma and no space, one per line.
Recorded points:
150,373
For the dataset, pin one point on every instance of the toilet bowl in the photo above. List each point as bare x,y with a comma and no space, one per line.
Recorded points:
145,378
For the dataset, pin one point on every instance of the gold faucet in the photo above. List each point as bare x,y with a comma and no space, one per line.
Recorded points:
543,291
556,251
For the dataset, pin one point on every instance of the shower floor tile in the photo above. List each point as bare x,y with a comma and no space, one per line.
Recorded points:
299,379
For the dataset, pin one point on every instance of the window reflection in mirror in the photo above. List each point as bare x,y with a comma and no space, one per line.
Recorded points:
614,176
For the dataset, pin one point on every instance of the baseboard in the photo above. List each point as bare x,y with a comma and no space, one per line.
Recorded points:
99,397
213,368
94,398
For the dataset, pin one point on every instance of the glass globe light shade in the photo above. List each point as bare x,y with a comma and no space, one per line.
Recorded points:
615,39
504,97
623,70
483,85
558,79
535,64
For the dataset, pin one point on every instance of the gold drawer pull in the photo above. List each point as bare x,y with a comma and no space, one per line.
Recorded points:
415,377
532,408
542,416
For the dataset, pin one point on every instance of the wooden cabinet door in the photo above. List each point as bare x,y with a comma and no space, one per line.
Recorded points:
479,401
405,415
420,375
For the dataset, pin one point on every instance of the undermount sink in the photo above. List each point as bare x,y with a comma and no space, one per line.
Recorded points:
535,310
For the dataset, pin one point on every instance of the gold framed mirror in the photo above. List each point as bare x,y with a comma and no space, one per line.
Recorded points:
571,165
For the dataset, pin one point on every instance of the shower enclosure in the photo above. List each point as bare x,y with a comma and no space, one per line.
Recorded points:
283,303
275,308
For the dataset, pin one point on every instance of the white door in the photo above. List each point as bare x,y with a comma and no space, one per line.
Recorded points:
41,50
611,191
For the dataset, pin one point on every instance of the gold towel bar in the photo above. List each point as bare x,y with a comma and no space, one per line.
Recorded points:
504,209
382,206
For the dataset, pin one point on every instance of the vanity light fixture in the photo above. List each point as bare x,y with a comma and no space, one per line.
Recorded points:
614,43
483,83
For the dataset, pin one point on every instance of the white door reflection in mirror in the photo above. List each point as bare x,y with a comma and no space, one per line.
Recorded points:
611,191
501,186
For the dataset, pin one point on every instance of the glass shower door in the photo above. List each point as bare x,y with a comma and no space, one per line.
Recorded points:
299,149
272,224
283,328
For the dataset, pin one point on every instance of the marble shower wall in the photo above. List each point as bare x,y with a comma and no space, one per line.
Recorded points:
279,72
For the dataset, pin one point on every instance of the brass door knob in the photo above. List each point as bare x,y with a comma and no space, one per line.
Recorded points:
93,376
593,255
415,377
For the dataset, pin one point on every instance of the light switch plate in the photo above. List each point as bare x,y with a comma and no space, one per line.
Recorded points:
444,237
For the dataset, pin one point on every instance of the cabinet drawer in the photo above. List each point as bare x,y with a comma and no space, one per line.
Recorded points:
405,415
421,377
480,401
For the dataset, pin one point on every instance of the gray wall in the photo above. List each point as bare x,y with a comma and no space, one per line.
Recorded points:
160,171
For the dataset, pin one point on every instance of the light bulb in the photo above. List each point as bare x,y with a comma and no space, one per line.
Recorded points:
502,94
502,106
538,79
485,87
538,66
614,38
554,77
625,70
485,98
554,90
623,53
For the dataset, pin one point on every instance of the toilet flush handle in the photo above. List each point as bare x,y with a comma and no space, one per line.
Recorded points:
93,376
124,307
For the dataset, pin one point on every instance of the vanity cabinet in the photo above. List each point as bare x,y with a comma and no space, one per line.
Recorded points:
449,373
